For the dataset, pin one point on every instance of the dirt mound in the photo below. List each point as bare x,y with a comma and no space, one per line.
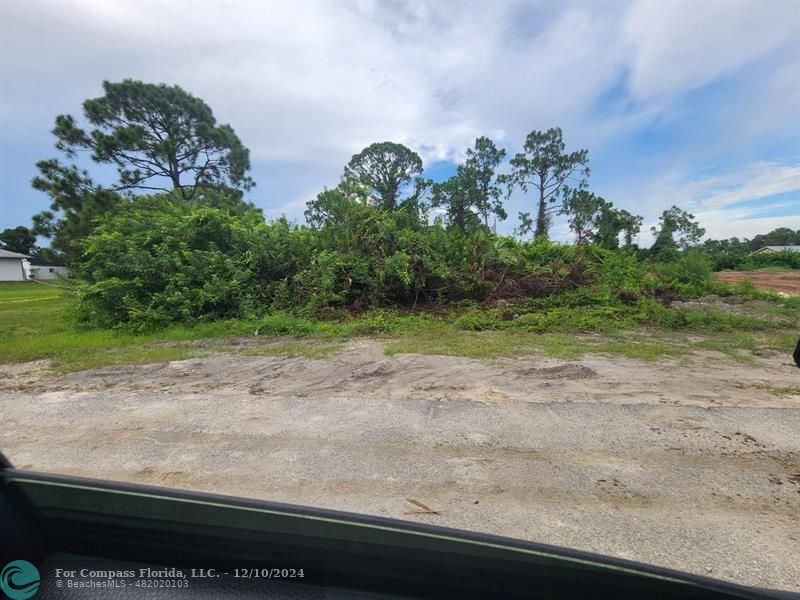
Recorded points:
787,282
568,371
362,370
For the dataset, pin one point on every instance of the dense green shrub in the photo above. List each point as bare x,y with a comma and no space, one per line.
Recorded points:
158,261
477,320
690,267
790,260
740,259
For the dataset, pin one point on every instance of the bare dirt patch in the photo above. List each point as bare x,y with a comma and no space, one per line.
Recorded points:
689,462
361,369
787,282
733,305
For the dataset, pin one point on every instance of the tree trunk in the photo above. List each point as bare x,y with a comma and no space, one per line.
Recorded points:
175,176
541,219
486,206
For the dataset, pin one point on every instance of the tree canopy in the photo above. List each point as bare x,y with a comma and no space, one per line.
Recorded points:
18,239
460,199
154,133
544,166
631,225
161,137
385,168
158,137
584,210
480,170
676,221
595,220
782,236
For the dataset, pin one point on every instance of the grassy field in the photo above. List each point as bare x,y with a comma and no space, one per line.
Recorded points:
35,324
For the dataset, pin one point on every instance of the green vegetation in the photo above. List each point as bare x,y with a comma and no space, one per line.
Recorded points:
18,239
158,137
545,168
36,323
734,253
780,391
155,273
162,261
452,342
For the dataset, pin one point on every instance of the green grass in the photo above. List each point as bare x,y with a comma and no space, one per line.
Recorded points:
779,391
644,344
35,324
133,354
557,345
738,345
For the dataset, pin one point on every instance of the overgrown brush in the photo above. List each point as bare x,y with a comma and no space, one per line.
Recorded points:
157,262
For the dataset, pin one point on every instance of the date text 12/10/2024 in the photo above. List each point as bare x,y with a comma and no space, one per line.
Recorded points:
173,573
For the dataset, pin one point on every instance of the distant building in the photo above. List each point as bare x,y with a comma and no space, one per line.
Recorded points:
12,266
37,269
776,249
21,267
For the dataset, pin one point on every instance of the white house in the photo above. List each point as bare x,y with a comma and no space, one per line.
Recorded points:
775,249
12,266
37,269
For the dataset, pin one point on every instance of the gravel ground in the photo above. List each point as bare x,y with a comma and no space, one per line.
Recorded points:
693,465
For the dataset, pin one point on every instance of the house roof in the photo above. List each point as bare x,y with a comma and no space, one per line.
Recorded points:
9,254
776,249
784,248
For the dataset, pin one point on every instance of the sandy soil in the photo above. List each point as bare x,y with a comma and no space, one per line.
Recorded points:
787,282
690,463
363,370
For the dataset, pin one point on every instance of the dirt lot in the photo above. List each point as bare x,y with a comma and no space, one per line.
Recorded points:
692,463
787,282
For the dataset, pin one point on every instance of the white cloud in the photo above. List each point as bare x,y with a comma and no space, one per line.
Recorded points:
302,80
713,199
309,84
741,224
680,45
717,198
756,181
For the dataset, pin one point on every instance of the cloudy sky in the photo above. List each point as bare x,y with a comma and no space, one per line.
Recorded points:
695,104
